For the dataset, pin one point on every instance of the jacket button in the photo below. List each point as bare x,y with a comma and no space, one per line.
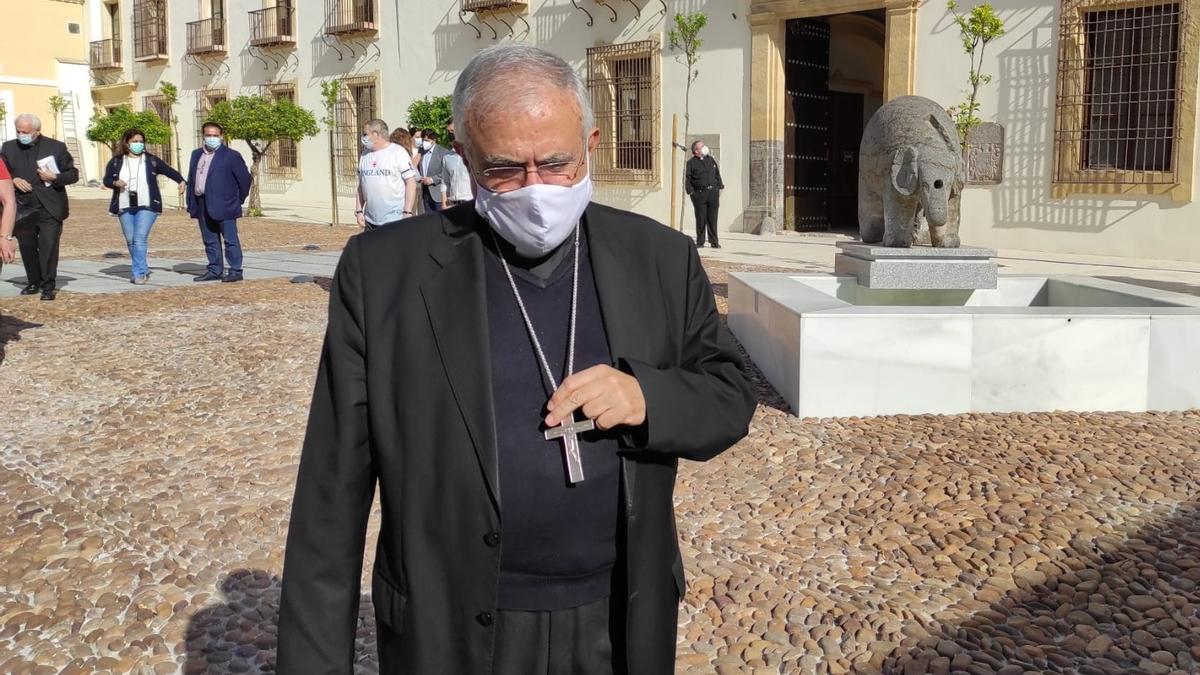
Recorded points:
485,618
492,539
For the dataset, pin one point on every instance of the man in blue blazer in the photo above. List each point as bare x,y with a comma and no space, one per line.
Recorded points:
219,182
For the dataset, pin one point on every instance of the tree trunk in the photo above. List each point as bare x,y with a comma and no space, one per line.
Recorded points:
687,125
180,202
333,181
255,163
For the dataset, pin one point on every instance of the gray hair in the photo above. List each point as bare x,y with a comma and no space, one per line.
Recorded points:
513,75
378,126
32,119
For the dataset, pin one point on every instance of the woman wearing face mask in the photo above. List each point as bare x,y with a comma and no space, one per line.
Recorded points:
132,174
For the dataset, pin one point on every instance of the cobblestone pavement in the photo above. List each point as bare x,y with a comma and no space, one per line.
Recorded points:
150,442
91,232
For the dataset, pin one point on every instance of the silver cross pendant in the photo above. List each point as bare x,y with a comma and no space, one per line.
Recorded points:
569,433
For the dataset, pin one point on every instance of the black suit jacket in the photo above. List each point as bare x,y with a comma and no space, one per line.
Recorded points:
53,198
403,399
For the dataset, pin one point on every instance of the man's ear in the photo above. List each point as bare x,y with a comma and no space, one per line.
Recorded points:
593,140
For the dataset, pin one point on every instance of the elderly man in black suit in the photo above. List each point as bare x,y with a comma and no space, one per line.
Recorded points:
41,168
520,376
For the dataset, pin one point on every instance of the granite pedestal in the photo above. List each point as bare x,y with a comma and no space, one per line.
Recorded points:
917,268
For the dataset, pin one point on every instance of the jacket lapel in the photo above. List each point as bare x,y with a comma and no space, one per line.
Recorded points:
616,284
455,299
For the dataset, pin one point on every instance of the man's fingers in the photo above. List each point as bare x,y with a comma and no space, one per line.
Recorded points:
575,382
570,402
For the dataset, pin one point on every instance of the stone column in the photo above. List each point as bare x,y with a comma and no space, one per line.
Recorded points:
900,49
765,204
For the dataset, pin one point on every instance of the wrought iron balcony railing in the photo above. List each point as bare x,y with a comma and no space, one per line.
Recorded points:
206,36
105,54
272,26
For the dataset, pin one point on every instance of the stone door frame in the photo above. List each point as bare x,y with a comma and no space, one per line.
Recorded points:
768,34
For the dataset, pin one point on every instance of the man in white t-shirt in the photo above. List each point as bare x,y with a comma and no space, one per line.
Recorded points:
387,181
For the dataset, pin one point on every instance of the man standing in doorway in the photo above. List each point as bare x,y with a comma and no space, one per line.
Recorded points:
41,169
220,182
520,379
704,185
387,185
432,188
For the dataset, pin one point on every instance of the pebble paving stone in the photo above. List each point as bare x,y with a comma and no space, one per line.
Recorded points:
150,444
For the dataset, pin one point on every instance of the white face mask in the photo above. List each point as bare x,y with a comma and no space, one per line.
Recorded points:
428,145
537,218
704,151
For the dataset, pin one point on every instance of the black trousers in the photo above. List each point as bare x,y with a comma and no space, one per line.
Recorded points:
562,642
38,237
706,203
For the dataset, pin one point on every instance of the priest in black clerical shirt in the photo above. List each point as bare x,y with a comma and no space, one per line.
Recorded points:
519,375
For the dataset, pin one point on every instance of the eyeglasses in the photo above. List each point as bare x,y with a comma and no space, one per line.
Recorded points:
501,179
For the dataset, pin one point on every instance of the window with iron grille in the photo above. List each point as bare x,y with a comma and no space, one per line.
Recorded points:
1123,77
624,84
150,29
206,99
160,108
283,158
359,104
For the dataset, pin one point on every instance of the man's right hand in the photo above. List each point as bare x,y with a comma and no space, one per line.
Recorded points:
119,184
22,185
7,250
361,218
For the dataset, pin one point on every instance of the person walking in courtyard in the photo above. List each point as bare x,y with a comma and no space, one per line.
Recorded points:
521,379
132,175
430,167
456,178
704,184
387,181
41,169
219,182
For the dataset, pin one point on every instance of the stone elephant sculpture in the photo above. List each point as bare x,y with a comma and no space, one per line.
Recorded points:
910,165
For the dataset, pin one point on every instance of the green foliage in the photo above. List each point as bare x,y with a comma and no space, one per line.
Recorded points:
170,94
977,29
685,37
431,113
331,91
57,104
260,121
3,113
107,128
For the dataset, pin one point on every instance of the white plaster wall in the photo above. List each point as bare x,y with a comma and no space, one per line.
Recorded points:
74,81
1020,213
422,46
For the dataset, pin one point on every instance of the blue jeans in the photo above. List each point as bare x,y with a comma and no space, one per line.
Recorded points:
135,225
212,231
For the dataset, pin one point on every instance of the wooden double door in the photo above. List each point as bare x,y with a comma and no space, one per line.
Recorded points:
822,134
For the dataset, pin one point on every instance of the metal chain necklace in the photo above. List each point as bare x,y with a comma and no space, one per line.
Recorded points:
568,430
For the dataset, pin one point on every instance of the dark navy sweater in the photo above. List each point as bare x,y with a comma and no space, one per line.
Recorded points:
558,545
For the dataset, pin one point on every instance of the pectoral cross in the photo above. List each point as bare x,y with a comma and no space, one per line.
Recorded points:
569,433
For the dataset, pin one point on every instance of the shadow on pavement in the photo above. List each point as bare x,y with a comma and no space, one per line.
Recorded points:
1100,607
240,634
10,331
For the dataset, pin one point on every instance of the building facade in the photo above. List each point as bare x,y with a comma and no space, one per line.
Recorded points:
388,53
1096,98
47,58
